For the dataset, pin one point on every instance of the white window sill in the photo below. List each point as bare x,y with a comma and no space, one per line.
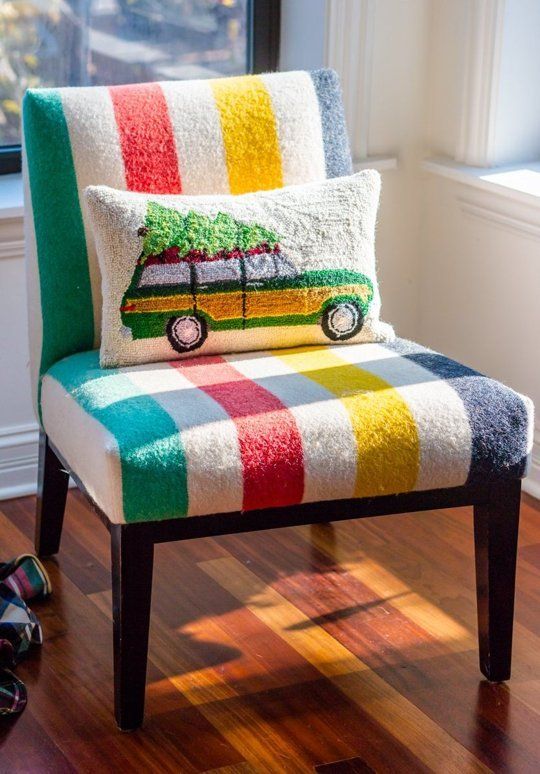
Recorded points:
11,196
380,163
11,186
519,182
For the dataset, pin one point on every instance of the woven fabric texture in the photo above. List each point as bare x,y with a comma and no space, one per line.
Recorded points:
21,579
185,276
230,135
256,430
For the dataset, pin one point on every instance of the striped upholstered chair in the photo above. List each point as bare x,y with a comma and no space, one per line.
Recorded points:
245,442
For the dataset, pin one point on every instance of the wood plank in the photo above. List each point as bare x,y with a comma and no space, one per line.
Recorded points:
78,562
353,556
390,587
443,686
351,766
74,669
259,695
25,746
426,740
235,687
444,586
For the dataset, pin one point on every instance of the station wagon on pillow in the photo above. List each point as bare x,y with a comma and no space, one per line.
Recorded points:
223,274
186,275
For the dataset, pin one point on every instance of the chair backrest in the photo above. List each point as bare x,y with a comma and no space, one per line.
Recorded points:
229,135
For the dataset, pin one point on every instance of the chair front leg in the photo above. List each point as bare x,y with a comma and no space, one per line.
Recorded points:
496,538
53,482
132,565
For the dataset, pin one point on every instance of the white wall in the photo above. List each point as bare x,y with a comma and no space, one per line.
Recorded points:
480,287
479,251
445,74
480,282
395,127
18,430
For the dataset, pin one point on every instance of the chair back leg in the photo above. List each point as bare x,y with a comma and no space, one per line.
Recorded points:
132,566
53,482
496,537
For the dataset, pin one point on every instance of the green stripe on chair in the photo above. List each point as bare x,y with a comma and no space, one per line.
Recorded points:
66,298
150,449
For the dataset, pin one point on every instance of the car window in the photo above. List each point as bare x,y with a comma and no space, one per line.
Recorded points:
209,272
164,274
268,266
258,268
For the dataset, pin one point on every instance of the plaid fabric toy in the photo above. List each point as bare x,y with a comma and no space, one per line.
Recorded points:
20,579
19,627
26,576
12,693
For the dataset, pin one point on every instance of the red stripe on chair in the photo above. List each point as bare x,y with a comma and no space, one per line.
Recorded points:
270,442
146,138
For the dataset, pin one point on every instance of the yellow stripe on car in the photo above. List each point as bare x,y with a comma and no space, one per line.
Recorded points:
259,303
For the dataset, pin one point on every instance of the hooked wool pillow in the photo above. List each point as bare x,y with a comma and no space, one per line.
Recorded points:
190,275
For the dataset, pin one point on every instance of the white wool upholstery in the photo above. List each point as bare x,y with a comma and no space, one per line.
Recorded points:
254,430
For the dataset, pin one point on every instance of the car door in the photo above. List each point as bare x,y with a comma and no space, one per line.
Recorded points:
218,289
266,297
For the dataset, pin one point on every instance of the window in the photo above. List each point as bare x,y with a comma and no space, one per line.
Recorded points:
93,42
268,266
485,109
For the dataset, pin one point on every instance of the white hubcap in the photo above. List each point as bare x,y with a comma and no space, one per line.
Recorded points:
187,331
343,319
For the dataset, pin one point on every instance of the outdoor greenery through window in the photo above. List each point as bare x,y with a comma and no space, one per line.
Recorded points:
92,42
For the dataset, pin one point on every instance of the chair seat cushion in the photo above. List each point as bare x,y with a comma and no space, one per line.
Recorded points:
240,432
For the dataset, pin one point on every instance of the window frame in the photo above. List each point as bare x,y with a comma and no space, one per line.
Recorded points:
10,159
263,56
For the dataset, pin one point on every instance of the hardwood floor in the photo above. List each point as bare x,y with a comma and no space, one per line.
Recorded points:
335,649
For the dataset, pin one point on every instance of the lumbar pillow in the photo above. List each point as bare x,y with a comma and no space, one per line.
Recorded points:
191,275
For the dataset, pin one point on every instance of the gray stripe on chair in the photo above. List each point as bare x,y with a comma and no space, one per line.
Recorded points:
498,416
337,152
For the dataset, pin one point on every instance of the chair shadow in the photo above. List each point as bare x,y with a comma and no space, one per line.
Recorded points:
340,615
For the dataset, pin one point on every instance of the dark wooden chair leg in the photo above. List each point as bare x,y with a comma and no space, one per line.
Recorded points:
132,564
53,482
496,536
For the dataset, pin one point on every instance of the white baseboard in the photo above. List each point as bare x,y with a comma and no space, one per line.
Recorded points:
18,460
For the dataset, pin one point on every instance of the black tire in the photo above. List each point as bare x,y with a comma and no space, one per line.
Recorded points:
342,320
178,329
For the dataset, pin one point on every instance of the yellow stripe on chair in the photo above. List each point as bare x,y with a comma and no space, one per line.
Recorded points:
383,425
249,134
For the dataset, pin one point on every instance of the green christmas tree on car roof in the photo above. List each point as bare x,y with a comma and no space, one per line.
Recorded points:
194,233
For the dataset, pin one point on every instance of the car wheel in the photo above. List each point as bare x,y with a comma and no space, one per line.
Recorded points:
342,320
186,333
